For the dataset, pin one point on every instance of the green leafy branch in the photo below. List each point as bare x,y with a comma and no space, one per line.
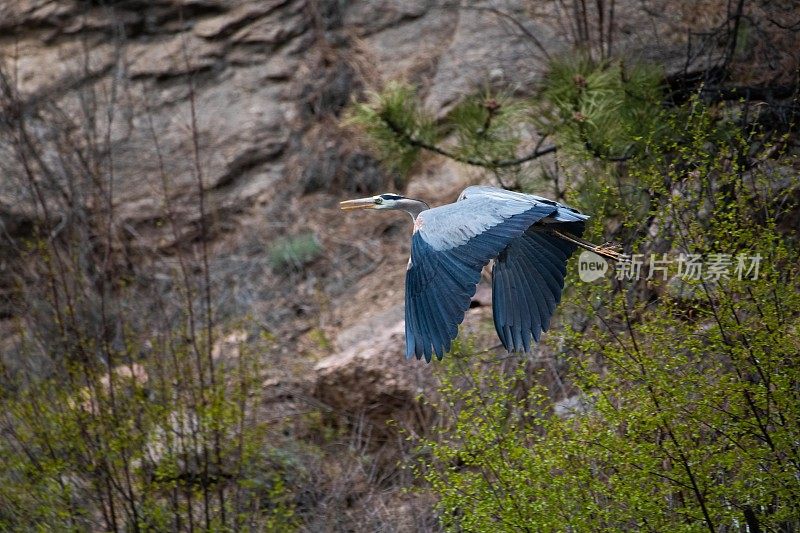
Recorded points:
605,111
484,128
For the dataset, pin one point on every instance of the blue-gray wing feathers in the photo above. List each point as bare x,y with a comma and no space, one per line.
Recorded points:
454,242
440,284
527,280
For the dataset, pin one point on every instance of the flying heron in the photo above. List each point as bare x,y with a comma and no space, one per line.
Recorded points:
530,239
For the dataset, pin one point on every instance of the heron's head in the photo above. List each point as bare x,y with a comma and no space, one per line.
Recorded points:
381,201
387,201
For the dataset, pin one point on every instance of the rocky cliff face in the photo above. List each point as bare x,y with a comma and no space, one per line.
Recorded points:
244,98
171,124
268,80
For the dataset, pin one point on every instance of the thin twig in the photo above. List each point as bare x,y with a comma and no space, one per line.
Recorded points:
511,18
485,163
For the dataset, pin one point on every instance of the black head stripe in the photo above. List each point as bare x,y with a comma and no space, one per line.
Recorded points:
391,196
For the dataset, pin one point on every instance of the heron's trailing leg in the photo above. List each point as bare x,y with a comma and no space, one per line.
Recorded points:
607,250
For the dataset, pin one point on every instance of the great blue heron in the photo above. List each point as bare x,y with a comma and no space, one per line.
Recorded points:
530,239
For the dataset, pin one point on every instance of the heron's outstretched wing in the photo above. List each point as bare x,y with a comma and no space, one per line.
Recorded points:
527,279
528,275
564,213
450,246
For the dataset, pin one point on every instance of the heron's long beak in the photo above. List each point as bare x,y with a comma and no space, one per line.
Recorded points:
361,203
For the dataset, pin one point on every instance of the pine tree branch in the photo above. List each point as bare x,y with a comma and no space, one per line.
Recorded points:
486,163
596,152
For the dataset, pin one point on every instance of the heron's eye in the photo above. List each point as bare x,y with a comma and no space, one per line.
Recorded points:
378,200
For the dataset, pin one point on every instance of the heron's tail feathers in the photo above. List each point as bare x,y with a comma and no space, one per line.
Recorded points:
607,250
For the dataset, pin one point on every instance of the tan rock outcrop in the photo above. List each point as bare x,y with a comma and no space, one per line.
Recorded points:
370,376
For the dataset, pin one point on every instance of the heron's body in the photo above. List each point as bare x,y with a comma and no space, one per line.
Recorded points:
530,239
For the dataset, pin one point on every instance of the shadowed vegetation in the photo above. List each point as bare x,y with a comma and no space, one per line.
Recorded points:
670,400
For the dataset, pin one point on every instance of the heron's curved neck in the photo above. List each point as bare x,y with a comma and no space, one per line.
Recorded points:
412,207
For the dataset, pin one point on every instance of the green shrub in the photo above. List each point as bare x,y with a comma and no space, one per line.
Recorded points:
685,407
155,445
689,416
294,252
